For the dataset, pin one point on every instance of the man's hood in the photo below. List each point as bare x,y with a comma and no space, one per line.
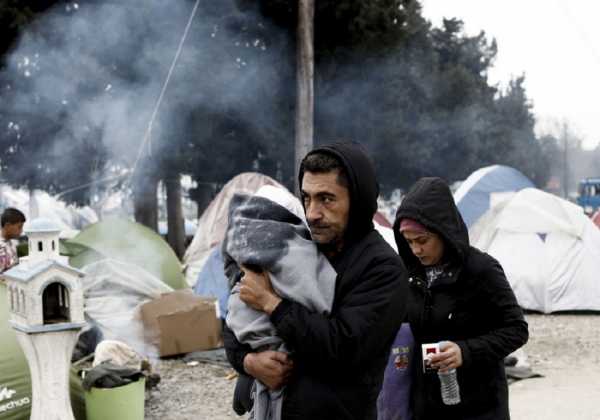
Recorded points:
363,186
430,203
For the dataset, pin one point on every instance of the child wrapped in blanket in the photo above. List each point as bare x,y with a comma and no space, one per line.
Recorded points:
268,231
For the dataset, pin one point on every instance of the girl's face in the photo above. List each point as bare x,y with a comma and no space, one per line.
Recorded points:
428,247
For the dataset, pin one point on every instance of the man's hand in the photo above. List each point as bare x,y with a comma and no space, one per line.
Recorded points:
449,357
272,368
256,291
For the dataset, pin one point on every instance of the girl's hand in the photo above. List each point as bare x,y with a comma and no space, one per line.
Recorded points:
449,357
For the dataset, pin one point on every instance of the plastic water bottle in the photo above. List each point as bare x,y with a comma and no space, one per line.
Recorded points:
449,387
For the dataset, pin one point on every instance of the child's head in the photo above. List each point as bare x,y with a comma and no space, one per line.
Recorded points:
284,198
12,221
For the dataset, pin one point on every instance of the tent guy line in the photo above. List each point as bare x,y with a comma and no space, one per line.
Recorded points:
148,134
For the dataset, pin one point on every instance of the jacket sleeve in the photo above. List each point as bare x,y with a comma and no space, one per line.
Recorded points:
509,329
363,322
235,350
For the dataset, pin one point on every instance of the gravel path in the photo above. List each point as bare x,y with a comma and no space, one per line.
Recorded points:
191,391
563,348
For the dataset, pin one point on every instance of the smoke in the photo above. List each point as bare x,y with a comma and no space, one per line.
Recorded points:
94,71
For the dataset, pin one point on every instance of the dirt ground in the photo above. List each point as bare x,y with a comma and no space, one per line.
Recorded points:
191,391
563,348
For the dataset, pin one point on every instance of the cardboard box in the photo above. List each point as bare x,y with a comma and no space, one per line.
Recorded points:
181,322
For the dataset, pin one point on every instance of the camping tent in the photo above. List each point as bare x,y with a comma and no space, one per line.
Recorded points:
129,242
381,220
212,280
15,381
213,222
548,248
473,196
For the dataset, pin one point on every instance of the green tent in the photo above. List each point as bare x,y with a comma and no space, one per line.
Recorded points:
15,381
129,242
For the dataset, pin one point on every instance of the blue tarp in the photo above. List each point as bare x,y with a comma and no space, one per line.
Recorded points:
473,196
212,280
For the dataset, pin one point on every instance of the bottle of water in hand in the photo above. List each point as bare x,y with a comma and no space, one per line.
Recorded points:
449,387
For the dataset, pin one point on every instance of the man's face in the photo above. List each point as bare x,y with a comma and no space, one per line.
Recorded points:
428,247
327,207
13,230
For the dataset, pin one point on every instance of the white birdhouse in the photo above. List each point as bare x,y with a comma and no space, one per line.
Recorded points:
45,294
43,240
46,310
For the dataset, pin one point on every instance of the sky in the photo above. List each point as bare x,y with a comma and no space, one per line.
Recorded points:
555,44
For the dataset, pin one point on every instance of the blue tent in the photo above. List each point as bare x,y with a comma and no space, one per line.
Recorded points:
212,280
473,196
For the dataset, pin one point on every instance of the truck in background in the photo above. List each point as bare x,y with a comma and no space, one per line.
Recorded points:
588,195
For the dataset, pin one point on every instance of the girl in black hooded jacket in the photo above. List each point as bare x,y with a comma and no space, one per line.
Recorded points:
460,296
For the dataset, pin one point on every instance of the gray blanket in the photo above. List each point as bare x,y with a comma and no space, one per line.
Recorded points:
265,234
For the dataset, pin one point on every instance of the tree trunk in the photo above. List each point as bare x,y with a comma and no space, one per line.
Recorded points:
202,196
145,201
304,82
175,221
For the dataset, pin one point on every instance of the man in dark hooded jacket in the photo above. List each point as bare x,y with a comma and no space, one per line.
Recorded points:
458,295
338,359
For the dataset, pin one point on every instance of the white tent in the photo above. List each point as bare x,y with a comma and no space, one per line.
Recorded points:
473,196
213,222
548,248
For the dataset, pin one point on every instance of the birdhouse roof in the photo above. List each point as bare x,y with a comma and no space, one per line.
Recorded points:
41,225
27,271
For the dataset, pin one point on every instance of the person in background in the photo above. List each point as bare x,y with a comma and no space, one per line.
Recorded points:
12,221
339,357
459,297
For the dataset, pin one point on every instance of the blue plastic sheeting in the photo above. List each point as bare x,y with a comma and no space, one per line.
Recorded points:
212,280
473,197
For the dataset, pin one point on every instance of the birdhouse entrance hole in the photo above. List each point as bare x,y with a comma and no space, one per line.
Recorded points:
55,300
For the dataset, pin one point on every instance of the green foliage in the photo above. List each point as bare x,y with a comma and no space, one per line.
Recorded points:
425,107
